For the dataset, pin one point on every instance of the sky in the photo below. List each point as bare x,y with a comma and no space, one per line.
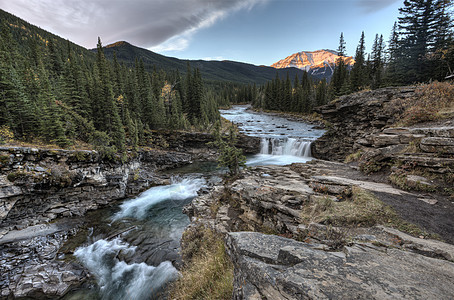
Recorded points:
260,32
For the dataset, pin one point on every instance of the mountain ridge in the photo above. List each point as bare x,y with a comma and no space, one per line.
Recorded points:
225,70
318,63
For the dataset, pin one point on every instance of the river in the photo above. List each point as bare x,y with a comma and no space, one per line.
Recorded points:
132,248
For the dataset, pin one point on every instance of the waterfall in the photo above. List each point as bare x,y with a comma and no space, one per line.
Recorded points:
286,146
180,189
119,280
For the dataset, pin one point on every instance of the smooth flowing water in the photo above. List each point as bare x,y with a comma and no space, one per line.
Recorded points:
132,248
283,141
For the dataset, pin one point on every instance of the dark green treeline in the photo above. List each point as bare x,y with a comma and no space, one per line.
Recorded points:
55,92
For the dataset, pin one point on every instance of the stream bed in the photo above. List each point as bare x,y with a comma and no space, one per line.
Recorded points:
131,249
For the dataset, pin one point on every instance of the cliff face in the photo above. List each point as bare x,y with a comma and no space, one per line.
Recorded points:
353,117
37,186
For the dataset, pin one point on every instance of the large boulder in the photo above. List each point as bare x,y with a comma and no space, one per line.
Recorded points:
273,267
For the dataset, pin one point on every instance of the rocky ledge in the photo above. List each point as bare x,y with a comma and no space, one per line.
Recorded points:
323,230
38,185
273,267
354,116
44,194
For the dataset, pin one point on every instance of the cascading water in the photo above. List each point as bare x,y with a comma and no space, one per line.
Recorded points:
282,141
156,213
119,280
178,190
287,146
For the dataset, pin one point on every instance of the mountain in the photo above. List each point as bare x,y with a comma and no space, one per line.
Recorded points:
319,64
212,71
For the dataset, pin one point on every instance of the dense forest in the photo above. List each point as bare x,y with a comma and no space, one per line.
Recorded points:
420,49
54,92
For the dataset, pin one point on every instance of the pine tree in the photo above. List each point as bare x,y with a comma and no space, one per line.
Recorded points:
321,97
107,114
393,73
287,97
377,62
443,38
418,24
340,71
229,156
358,70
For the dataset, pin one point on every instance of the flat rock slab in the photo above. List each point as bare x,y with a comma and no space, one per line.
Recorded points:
367,185
272,267
29,232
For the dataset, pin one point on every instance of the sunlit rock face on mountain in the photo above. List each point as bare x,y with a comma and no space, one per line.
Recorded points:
318,63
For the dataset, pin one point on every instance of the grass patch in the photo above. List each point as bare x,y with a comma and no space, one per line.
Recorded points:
432,102
208,271
353,157
362,209
399,179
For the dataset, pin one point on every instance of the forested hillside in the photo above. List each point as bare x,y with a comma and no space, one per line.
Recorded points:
213,72
56,92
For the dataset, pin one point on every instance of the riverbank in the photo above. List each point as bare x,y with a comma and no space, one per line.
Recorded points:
328,229
46,194
316,217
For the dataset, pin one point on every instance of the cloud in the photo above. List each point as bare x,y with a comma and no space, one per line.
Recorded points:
156,24
219,58
374,5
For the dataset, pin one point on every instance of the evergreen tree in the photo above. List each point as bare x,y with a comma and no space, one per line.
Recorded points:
423,24
287,98
443,39
106,109
377,62
229,156
340,71
393,74
321,93
358,71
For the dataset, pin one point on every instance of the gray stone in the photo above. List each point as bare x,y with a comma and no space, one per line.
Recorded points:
279,268
418,180
382,140
438,145
445,131
396,131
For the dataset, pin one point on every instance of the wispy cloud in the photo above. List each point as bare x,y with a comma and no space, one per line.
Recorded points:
374,5
213,58
157,24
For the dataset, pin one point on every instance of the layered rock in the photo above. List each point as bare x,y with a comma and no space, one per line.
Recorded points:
297,259
37,186
28,265
197,144
273,267
428,148
352,118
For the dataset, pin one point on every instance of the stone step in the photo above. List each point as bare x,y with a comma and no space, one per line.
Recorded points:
447,131
438,164
438,145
